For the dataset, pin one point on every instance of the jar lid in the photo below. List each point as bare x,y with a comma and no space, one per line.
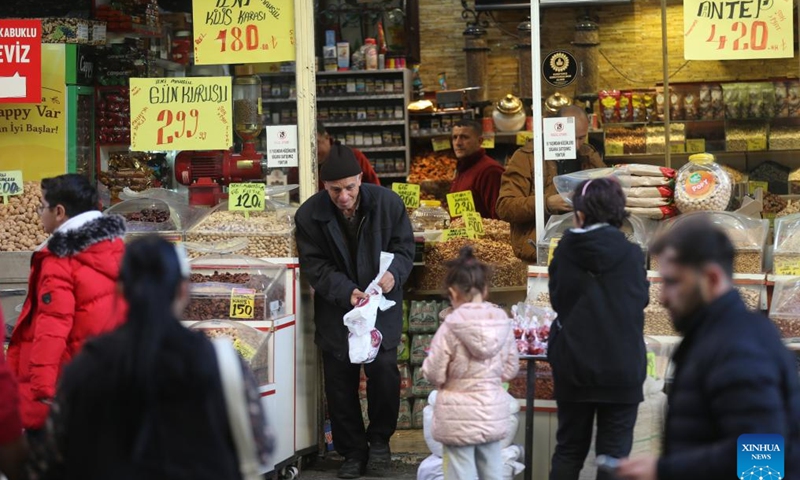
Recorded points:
430,203
244,70
702,158
369,41
509,105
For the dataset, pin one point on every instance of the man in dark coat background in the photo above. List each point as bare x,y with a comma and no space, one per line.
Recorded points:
733,375
341,232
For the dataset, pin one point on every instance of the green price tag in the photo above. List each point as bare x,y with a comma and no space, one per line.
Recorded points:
460,202
243,302
246,197
695,145
409,192
440,144
651,364
614,149
474,223
454,233
10,184
524,137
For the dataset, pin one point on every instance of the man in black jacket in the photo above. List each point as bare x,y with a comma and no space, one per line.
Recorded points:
733,376
341,232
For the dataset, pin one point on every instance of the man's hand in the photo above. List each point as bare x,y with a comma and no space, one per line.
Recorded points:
639,468
356,296
386,282
557,204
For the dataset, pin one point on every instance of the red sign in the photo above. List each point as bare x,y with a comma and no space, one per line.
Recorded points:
20,61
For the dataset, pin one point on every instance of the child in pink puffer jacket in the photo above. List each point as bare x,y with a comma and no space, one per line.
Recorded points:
472,354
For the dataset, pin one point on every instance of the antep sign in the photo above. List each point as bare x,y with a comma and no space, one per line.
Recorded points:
20,61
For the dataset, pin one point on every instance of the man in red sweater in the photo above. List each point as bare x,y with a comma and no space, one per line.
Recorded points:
475,170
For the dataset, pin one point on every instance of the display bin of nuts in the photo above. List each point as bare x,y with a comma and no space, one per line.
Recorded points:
255,344
786,253
233,287
496,230
269,234
145,216
636,229
508,270
785,308
748,235
20,227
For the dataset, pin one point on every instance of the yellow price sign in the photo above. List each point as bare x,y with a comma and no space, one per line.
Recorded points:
460,202
786,266
524,137
614,149
10,184
181,113
756,144
243,302
473,222
440,144
237,31
246,197
552,251
409,192
753,186
453,233
695,145
677,147
488,141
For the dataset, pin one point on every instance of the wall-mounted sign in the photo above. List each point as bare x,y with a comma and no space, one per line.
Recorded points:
20,61
243,31
736,30
559,68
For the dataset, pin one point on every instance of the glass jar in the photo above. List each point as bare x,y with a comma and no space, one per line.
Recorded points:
702,185
247,121
371,54
430,216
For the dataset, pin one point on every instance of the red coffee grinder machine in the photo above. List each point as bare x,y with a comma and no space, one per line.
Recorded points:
206,172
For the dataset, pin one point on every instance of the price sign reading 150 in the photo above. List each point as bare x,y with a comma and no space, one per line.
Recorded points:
186,125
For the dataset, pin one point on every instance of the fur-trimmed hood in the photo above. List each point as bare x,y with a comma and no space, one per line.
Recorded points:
72,242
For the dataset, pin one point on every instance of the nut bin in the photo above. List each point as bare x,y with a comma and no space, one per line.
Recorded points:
20,227
786,256
509,271
150,216
785,309
269,234
216,280
253,345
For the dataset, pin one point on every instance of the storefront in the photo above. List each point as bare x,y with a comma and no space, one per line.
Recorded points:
145,99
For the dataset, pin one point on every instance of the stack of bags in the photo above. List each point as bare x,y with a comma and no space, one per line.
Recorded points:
649,190
513,460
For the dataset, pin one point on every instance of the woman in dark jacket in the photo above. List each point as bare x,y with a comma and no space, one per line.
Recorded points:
599,288
146,400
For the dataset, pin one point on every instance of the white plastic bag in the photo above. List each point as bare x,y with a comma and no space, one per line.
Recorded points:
364,340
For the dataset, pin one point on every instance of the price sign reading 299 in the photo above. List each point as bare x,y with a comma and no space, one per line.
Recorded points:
243,31
738,29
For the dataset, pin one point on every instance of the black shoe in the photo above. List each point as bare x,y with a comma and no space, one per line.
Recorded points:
380,457
352,468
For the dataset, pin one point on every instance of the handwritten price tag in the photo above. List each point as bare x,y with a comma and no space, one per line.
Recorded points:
677,147
454,233
243,302
246,197
753,186
553,245
460,202
737,30
695,145
488,141
440,144
10,184
756,144
787,266
409,192
181,113
474,223
524,137
237,31
614,149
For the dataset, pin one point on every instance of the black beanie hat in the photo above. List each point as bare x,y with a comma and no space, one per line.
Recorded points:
341,163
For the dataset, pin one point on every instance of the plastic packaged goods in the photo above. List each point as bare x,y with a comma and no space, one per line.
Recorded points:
253,345
417,413
234,287
403,349
424,317
785,308
420,344
430,216
748,235
406,381
636,229
786,254
702,185
404,415
420,388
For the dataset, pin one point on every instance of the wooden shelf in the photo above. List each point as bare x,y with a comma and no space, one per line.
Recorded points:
379,149
367,123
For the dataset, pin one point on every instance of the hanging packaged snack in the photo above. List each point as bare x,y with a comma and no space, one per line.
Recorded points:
626,106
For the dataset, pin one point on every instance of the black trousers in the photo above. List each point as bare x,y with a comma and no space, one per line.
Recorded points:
615,424
383,397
